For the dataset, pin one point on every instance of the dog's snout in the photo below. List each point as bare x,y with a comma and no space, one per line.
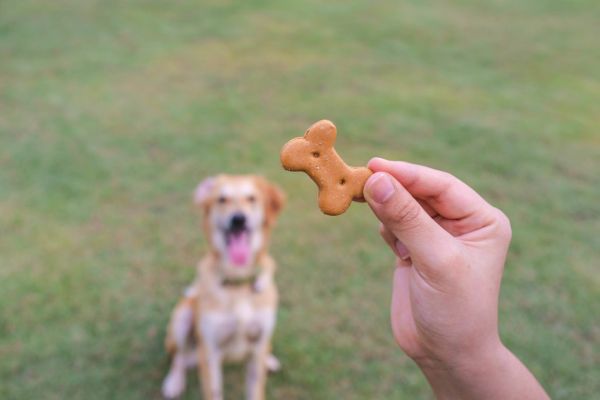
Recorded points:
238,221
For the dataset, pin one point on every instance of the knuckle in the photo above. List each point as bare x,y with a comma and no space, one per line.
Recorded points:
503,225
406,213
447,177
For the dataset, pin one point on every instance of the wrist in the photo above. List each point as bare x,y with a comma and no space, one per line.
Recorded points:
495,374
456,375
459,357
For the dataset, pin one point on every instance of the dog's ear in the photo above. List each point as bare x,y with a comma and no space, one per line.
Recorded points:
274,199
203,191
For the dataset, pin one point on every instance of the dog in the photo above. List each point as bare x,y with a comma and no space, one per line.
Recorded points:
228,314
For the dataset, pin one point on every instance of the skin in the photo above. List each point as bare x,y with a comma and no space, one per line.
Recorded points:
451,248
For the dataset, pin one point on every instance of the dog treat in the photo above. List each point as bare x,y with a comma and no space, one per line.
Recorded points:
314,154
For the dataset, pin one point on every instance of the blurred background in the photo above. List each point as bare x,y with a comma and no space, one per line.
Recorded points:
112,111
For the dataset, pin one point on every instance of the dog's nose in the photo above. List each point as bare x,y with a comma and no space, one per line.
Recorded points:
238,221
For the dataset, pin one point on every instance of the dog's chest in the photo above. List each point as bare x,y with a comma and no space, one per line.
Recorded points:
238,329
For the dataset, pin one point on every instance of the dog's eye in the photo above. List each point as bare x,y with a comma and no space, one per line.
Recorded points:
222,200
251,198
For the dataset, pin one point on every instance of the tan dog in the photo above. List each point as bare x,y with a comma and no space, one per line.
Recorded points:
228,313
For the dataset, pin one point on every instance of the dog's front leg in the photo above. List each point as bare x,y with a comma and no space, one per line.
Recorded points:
210,373
256,373
259,332
211,357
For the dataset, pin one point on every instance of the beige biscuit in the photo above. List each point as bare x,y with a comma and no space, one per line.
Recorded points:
314,154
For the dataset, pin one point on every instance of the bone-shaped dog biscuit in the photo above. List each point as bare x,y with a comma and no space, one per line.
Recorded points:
314,154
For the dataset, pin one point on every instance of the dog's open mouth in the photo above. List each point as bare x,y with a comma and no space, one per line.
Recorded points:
238,246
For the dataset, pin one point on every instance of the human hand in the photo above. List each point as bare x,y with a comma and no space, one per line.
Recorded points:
451,247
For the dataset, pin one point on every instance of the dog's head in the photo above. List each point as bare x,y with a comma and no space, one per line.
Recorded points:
239,212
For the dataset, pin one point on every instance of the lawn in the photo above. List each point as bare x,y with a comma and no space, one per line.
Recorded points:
112,111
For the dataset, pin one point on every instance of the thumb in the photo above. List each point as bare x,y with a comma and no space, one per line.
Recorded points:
429,245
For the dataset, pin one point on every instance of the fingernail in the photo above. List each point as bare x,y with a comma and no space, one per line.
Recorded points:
381,188
402,250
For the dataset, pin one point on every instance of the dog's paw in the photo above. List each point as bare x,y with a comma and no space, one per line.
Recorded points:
173,385
273,364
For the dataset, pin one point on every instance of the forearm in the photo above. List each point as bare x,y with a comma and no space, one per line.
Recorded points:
496,375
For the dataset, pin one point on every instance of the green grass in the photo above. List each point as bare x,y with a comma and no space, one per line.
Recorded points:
112,111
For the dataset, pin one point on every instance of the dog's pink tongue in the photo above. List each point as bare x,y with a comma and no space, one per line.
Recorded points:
239,249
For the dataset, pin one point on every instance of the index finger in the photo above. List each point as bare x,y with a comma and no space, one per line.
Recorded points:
447,195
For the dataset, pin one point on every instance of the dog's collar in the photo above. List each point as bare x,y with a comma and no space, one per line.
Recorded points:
248,280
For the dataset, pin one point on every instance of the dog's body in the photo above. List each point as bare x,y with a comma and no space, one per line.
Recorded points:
229,312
